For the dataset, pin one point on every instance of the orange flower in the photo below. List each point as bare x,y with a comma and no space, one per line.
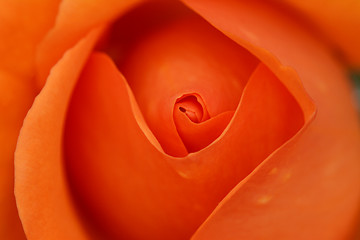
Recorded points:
169,120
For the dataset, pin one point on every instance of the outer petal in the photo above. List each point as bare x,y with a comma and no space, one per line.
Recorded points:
311,185
338,20
75,19
22,25
15,99
41,190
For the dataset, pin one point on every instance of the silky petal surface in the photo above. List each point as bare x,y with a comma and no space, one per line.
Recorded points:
339,21
311,183
124,183
22,26
41,189
74,20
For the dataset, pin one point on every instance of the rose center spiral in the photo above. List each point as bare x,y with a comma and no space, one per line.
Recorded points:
193,107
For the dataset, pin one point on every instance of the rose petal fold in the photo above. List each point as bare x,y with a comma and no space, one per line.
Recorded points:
41,189
178,59
312,182
22,25
75,19
196,136
124,183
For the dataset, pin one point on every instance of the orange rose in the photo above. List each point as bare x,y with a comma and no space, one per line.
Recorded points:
169,120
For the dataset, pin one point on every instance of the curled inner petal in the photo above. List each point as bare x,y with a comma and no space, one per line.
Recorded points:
194,109
177,59
194,125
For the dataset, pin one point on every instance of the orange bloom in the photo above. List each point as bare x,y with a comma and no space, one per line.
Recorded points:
175,120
